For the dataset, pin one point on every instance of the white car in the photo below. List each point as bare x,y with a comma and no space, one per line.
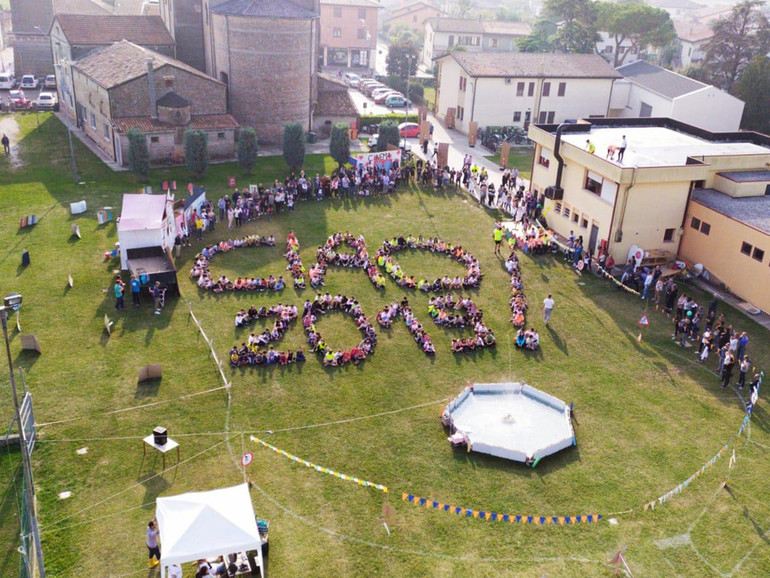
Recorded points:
50,81
29,81
7,81
47,101
351,79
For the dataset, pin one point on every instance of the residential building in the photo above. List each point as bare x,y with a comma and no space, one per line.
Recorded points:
500,89
125,86
74,36
677,8
334,105
444,34
730,235
412,16
31,20
644,201
348,34
606,47
651,91
266,54
691,38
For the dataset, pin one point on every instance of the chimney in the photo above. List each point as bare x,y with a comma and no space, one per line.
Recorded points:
151,88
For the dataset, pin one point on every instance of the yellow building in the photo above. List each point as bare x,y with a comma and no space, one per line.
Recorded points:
644,200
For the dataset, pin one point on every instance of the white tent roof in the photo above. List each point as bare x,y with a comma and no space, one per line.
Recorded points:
142,212
206,524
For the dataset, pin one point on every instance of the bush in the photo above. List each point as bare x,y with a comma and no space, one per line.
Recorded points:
339,147
294,145
248,147
388,135
196,152
138,153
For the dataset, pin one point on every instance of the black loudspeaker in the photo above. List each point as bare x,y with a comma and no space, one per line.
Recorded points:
161,435
554,193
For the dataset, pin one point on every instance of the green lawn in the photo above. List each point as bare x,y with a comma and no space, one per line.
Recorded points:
519,158
430,97
646,415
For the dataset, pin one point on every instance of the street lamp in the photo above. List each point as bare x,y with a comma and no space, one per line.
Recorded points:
13,303
60,68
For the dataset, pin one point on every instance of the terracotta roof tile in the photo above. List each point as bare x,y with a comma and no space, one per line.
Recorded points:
97,29
146,124
335,104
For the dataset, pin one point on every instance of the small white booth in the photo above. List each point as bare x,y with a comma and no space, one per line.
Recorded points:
146,221
201,525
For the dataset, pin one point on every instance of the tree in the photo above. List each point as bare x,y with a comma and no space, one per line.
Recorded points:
294,145
248,147
138,154
196,152
570,26
576,36
737,39
635,25
753,87
339,146
388,135
463,7
397,62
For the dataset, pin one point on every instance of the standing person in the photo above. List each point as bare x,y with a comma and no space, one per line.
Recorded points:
548,304
152,543
136,288
6,144
119,289
743,368
727,369
622,149
743,341
498,236
647,284
157,293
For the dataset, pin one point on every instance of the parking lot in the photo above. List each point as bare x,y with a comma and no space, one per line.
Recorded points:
366,105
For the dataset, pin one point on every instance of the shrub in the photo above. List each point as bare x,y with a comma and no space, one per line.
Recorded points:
138,153
339,147
196,152
294,145
248,147
388,135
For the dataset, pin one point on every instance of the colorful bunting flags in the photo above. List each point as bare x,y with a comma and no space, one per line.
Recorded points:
336,474
495,517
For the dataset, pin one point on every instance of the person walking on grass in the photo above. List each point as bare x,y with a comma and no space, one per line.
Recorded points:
119,289
548,304
136,288
152,543
6,144
157,294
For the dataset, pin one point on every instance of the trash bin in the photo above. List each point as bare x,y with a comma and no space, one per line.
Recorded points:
311,137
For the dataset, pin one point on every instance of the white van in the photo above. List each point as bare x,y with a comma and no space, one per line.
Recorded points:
7,81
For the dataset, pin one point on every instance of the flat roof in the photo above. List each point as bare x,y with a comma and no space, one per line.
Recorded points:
659,146
752,211
757,176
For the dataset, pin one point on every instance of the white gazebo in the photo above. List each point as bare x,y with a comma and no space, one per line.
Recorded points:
207,524
146,221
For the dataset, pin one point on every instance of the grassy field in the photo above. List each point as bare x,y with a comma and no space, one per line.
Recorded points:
519,158
647,416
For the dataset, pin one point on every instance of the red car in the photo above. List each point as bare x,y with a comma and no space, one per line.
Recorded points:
409,129
18,99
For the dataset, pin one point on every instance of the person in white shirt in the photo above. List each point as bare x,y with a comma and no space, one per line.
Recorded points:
548,304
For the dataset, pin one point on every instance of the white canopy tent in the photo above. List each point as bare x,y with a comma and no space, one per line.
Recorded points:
207,524
146,221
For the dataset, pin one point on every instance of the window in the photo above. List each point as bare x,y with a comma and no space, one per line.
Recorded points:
493,42
544,158
746,248
155,139
508,80
566,212
93,120
520,89
562,88
362,13
546,89
575,216
668,236
460,113
517,116
758,254
705,228
584,222
593,183
645,110
695,223
475,40
338,12
451,37
106,129
608,49
550,117
463,83
557,208
362,33
220,136
337,33
531,89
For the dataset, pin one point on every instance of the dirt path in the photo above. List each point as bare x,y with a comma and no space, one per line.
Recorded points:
10,127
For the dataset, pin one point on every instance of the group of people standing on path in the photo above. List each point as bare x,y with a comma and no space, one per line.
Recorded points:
135,285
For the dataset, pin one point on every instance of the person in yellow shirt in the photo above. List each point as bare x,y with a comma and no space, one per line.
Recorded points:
498,236
590,147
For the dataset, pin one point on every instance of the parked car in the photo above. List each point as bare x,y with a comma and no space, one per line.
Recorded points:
409,129
370,88
29,81
50,81
7,80
397,101
47,101
18,99
351,79
366,83
380,97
